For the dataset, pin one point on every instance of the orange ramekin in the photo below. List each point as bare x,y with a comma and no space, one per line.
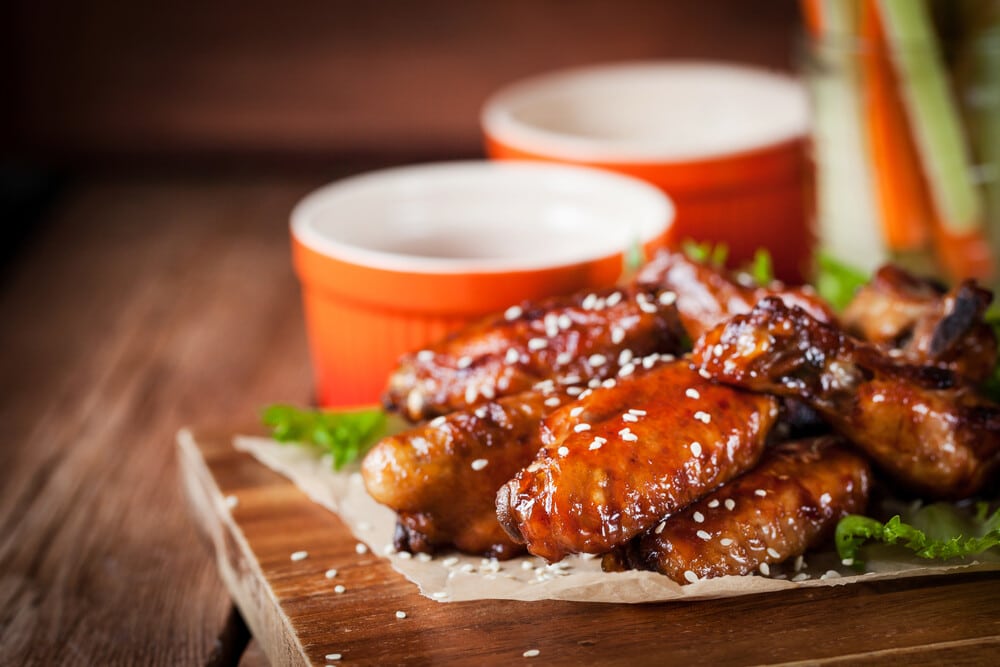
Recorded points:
726,142
392,260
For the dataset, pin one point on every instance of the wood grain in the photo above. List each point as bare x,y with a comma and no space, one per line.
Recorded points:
144,303
331,77
951,619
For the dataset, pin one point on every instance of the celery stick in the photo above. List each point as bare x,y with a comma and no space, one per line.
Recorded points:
846,212
933,113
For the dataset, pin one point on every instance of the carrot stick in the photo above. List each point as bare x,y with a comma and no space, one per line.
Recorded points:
812,16
903,198
959,215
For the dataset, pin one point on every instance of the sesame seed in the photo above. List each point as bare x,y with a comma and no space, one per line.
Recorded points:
563,451
703,416
512,356
526,565
585,393
830,574
300,555
580,428
438,422
552,401
609,383
659,527
468,568
730,504
617,334
338,589
564,358
422,557
400,614
667,298
388,550
847,561
801,576
713,503
564,321
536,344
692,393
695,448
464,362
698,517
594,383
705,374
690,576
450,561
481,412
596,444
331,573
406,555
614,298
574,391
760,492
799,562
647,362
575,412
626,370
361,548
232,501
773,553
630,437
332,656
765,569
570,379
531,653
425,356
597,360
629,417
647,307
512,313
704,534
599,304
637,412
825,499
479,464
625,356
471,393
589,301
726,541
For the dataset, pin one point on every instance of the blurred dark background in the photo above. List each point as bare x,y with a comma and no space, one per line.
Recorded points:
99,85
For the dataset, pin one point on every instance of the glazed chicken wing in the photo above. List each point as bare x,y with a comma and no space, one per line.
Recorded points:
622,457
930,433
570,339
926,324
789,503
441,478
707,296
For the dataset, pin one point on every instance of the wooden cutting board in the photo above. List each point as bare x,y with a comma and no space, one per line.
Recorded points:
255,520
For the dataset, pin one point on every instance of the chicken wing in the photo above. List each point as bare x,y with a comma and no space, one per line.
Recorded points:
926,324
706,296
789,503
570,339
623,457
917,423
442,477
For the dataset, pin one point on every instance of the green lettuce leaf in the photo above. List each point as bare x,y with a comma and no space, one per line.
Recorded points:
937,531
836,281
344,434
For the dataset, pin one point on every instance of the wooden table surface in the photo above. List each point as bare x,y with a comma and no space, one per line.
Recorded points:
147,303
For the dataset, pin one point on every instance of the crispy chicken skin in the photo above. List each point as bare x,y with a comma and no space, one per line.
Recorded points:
580,337
926,324
920,425
707,296
442,477
622,457
789,503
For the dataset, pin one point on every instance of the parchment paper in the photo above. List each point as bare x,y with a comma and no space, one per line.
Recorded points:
455,577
